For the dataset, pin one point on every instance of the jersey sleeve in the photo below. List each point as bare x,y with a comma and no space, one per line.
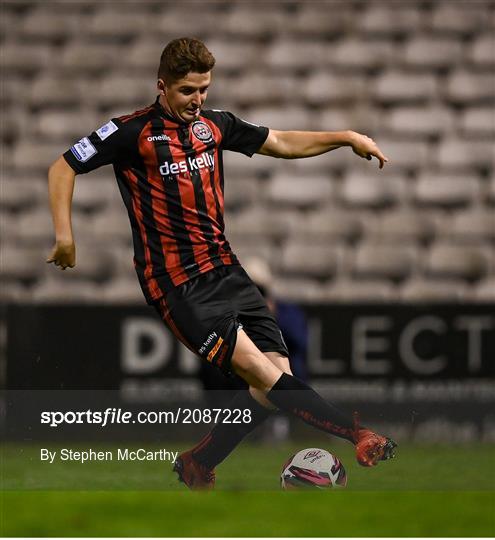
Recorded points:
103,146
239,135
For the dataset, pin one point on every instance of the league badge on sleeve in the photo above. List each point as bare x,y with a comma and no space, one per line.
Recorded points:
106,130
202,132
83,150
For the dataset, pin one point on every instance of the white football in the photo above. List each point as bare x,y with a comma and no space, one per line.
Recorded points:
313,468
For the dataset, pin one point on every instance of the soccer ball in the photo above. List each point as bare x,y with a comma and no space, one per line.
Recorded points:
313,468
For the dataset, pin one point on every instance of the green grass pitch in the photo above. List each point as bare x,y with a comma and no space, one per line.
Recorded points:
426,491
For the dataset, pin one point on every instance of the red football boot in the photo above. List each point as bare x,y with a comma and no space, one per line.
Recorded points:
192,473
371,447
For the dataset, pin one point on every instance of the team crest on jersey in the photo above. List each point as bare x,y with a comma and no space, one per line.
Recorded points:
202,132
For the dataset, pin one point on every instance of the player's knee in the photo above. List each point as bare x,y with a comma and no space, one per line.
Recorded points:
256,370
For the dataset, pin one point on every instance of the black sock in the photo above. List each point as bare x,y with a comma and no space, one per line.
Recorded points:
296,397
223,438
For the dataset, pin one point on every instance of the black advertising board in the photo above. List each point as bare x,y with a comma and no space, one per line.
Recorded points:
73,347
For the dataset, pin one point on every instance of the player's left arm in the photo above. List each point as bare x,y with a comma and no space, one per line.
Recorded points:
301,144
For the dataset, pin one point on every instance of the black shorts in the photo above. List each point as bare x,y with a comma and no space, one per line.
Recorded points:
206,313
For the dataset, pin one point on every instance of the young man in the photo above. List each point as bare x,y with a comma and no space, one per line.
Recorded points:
167,160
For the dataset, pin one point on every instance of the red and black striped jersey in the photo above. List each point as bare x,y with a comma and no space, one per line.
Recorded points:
170,175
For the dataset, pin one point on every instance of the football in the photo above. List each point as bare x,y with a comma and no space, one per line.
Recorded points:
313,468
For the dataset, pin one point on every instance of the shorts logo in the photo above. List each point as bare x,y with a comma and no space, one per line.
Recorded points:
106,130
214,351
202,132
209,339
83,150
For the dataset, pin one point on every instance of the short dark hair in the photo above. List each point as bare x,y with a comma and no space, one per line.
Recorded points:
183,55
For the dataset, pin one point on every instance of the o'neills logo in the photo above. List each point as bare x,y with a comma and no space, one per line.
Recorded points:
191,164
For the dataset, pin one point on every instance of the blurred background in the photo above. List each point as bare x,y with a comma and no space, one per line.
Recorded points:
384,280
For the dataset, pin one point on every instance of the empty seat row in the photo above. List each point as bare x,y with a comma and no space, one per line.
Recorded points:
101,20
287,189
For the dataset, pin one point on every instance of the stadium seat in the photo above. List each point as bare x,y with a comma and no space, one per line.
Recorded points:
490,192
199,19
260,222
478,121
426,52
360,54
374,260
446,190
323,87
463,154
112,226
124,262
14,91
9,23
405,154
51,24
234,55
464,87
359,118
419,121
122,291
21,193
289,55
83,56
398,86
482,51
458,18
292,117
327,224
64,126
21,264
32,154
320,261
393,20
241,192
346,290
14,293
485,290
126,89
473,225
93,194
325,21
247,246
108,23
143,56
244,21
25,58
93,263
35,228
367,188
428,290
52,89
58,289
255,88
445,260
298,289
400,226
299,191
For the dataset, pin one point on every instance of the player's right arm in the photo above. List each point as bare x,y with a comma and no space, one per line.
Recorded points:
60,187
111,143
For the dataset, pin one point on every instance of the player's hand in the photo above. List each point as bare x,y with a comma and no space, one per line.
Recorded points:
63,254
365,147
